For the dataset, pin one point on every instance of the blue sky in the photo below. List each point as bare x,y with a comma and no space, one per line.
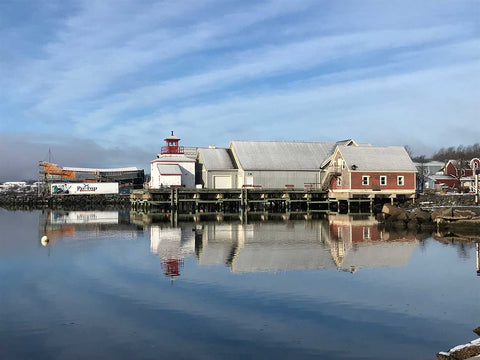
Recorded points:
101,83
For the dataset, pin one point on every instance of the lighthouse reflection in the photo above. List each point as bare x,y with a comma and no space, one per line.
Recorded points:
341,242
172,245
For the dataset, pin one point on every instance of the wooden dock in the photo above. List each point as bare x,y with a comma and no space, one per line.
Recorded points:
192,201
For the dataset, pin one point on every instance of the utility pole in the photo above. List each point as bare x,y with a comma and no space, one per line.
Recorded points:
476,189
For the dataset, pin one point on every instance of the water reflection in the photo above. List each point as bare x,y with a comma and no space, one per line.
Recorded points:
172,245
340,242
358,242
244,289
337,241
60,224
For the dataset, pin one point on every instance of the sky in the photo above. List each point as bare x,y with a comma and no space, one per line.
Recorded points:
101,83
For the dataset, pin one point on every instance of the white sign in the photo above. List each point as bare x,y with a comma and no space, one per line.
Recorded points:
83,188
84,217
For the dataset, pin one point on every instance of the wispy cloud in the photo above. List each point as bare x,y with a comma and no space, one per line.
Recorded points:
386,108
264,63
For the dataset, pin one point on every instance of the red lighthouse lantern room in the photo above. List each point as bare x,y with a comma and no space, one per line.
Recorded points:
171,145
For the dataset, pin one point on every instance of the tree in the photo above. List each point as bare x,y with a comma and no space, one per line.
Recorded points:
451,153
421,172
409,151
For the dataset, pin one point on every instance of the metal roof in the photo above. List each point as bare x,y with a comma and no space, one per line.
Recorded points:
164,169
216,159
377,158
99,170
173,158
172,137
281,155
430,163
441,177
272,256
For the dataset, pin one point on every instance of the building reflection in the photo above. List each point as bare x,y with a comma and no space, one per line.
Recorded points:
358,242
172,245
61,224
340,242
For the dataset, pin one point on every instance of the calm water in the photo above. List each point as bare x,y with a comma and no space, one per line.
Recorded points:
106,287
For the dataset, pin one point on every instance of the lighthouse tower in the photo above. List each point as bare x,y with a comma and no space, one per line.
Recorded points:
172,168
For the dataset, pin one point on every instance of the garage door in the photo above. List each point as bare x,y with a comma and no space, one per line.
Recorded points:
222,182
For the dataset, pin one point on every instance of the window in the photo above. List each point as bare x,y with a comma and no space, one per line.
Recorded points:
400,180
343,164
339,181
365,180
383,180
366,233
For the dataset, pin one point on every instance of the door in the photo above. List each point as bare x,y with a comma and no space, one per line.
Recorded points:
222,182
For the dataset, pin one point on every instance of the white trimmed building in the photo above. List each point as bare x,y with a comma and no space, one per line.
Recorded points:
172,168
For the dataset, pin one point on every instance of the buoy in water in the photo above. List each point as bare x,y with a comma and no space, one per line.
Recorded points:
44,240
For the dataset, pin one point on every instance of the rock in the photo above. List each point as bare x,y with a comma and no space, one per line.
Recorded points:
428,226
464,213
400,214
477,331
412,224
380,216
399,224
443,356
441,213
422,216
461,352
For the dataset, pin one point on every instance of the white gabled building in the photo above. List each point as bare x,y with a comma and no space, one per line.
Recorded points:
172,168
217,168
281,164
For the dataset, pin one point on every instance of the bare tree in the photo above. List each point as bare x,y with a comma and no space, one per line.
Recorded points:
409,151
421,172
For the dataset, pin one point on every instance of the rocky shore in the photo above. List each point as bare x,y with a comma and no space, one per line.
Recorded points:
467,351
31,202
451,215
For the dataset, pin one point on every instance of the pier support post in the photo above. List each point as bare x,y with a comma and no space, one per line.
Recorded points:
176,198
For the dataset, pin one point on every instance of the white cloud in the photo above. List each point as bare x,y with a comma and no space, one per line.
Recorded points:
263,63
399,107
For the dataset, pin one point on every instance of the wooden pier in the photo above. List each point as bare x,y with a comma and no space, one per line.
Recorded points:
193,201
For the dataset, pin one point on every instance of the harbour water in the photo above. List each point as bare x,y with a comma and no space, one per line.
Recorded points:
110,286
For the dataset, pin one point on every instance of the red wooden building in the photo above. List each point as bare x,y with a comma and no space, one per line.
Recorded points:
371,172
458,173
